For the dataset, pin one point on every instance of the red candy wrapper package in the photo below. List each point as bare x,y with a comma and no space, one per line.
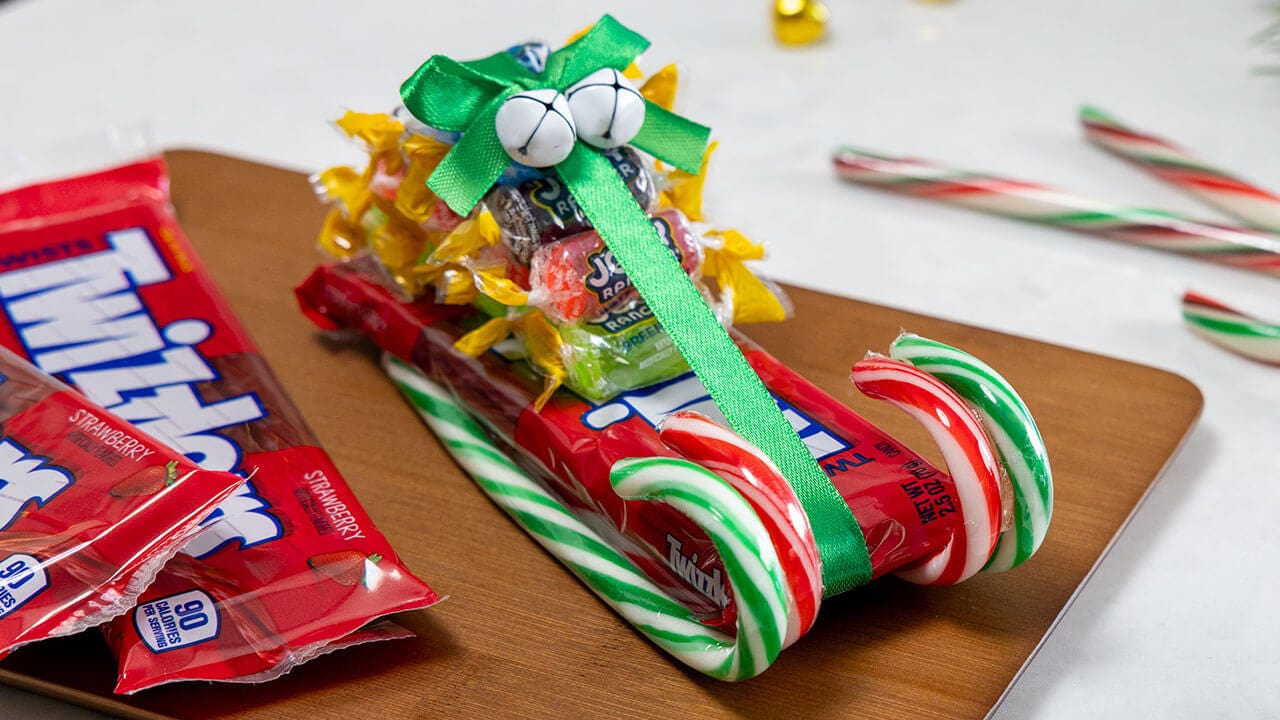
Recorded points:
90,509
877,476
100,287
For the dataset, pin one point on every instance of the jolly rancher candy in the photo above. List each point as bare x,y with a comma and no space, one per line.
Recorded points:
101,288
578,276
542,210
623,349
90,509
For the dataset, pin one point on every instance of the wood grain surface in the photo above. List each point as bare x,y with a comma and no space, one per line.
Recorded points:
519,636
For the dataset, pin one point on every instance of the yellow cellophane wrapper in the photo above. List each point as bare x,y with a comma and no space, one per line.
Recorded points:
398,242
349,188
379,133
468,238
414,199
541,339
478,341
685,193
455,286
339,236
495,285
660,88
544,344
752,300
457,271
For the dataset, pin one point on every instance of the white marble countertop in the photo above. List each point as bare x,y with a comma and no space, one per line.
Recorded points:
1179,619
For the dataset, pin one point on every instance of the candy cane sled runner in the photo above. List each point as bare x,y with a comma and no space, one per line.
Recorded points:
750,533
694,482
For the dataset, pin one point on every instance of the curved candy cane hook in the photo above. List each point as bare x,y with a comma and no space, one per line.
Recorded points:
1011,428
969,456
751,564
702,440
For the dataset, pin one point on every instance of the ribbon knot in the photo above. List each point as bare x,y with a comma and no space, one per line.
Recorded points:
451,95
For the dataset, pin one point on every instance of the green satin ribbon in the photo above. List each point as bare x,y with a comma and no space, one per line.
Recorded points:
466,97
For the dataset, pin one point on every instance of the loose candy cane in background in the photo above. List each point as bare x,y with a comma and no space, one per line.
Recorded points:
1157,229
751,564
1231,329
703,441
969,456
1010,427
1239,198
1218,323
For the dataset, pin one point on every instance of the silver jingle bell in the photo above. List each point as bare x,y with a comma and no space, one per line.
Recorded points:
536,127
607,109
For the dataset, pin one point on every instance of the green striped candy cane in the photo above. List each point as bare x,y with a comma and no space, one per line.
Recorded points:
750,562
1231,329
1009,425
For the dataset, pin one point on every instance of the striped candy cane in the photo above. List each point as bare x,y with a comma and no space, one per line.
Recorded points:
1231,329
1237,197
969,457
1009,425
701,440
751,564
1158,229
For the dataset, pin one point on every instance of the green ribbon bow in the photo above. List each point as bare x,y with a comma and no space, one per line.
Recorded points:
465,97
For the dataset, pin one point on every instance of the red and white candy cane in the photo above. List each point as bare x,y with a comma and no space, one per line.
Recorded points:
703,441
1158,229
1231,329
969,456
1175,165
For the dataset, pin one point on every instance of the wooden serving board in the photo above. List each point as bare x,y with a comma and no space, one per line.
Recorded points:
520,637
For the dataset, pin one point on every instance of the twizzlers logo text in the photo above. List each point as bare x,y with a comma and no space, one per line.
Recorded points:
81,318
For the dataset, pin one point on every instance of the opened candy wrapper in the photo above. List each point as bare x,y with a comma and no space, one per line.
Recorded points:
90,509
527,244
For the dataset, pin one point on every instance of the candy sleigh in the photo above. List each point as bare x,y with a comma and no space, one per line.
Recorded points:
595,435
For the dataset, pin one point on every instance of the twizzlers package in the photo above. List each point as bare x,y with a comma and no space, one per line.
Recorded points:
100,287
90,509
